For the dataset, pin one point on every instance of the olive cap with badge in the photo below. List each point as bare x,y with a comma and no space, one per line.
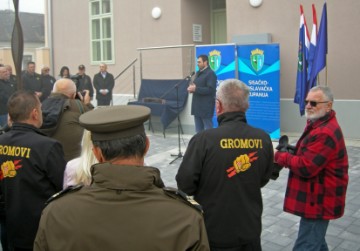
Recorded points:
114,122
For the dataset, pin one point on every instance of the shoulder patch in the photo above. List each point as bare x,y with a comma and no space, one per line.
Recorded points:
63,192
178,194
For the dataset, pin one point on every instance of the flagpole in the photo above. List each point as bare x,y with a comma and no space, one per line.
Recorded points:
320,58
326,71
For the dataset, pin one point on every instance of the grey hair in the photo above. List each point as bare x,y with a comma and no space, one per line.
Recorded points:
233,95
325,90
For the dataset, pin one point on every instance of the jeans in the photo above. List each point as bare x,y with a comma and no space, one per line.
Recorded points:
202,124
311,236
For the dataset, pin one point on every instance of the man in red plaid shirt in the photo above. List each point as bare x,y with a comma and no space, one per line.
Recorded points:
318,176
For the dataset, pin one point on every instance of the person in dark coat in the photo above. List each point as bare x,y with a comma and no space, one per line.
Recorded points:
126,206
203,89
48,82
103,84
84,81
6,89
32,169
12,78
32,80
225,168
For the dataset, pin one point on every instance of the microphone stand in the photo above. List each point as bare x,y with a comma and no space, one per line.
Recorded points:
179,155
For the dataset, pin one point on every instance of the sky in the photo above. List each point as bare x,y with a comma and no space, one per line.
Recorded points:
33,6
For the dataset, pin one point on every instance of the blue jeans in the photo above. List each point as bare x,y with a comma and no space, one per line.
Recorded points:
202,124
311,236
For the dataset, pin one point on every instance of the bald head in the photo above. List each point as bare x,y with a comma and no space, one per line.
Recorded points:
65,86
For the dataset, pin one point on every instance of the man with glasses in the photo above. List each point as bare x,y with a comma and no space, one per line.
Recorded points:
318,172
203,89
48,82
12,78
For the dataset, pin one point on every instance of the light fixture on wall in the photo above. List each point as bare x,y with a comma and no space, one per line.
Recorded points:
156,12
255,3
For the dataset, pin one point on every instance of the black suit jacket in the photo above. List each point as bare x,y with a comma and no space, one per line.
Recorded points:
103,83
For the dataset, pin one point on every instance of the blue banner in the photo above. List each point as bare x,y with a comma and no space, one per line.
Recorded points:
259,68
221,61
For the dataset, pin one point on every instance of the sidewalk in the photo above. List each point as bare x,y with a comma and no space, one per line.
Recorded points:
279,228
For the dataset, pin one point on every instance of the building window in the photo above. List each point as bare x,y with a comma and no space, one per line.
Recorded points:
102,37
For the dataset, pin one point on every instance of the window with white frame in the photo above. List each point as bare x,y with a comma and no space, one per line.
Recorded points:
101,30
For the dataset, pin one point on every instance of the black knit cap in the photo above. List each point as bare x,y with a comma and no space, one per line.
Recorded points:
114,122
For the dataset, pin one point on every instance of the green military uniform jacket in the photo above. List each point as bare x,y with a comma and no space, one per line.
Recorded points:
125,208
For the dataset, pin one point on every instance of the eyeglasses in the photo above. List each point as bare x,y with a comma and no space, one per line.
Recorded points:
314,103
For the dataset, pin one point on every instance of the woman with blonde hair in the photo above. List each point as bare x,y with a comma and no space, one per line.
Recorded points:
78,170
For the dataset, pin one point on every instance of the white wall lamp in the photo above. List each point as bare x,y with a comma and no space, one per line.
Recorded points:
255,3
156,12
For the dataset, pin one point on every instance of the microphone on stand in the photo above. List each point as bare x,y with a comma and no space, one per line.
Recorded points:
190,76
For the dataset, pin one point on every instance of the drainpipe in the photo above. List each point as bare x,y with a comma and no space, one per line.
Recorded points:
50,35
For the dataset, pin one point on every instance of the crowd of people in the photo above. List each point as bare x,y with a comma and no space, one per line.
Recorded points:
43,84
74,178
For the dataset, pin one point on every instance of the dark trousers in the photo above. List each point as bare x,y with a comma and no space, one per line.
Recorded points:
251,246
103,102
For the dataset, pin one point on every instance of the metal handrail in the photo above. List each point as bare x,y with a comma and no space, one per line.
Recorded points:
127,67
165,47
160,48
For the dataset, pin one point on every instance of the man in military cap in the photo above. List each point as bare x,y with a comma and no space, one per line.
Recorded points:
84,81
126,207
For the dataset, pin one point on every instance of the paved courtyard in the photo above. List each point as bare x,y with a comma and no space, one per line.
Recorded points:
279,228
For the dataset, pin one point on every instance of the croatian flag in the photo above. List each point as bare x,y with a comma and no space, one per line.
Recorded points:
303,51
313,39
321,50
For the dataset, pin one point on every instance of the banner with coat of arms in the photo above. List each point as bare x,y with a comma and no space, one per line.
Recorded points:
258,66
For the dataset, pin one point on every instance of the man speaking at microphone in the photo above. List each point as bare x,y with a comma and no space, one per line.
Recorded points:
203,89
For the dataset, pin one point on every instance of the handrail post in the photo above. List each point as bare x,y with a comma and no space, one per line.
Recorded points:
140,56
134,84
